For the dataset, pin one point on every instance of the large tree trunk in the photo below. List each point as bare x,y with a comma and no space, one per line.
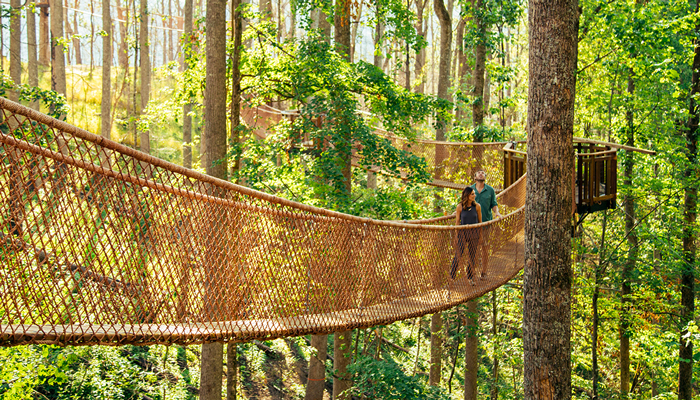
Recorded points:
44,34
471,360
342,43
32,65
548,275
215,135
145,68
628,267
685,367
106,104
479,73
342,353
15,44
434,375
317,368
187,108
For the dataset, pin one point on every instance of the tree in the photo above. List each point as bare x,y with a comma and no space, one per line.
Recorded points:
106,105
215,135
32,67
145,68
317,368
479,71
188,44
15,43
58,60
471,356
436,339
685,367
548,275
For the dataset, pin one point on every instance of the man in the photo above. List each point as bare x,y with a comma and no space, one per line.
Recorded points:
486,197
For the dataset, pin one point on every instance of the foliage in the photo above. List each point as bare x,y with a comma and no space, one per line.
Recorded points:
55,102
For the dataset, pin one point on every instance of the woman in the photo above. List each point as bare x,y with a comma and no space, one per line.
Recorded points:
468,212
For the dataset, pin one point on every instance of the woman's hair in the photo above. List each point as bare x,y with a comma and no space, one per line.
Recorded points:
465,196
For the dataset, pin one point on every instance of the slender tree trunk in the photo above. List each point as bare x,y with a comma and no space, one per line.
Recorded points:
685,367
494,332
145,68
378,61
215,136
317,368
92,36
342,353
629,265
32,65
171,47
479,73
106,103
187,108
471,358
44,39
237,23
58,60
123,53
599,270
68,31
342,44
460,60
76,37
420,74
548,275
15,44
436,334
231,371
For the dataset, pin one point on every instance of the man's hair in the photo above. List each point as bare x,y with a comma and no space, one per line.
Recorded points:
480,172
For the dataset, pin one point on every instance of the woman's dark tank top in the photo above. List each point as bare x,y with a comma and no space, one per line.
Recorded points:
468,215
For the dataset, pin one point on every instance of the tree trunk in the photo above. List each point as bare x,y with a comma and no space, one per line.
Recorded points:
342,353
460,60
32,66
443,84
479,73
15,44
123,53
317,368
435,350
685,367
420,57
471,357
342,43
187,108
231,371
595,370
92,36
548,275
76,36
145,67
58,60
628,267
44,40
377,61
237,23
106,103
494,333
215,136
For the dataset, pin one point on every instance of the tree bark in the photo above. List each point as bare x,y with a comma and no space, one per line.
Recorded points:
215,136
145,67
32,65
237,23
685,367
15,43
599,270
341,22
479,74
629,265
187,108
123,53
106,103
444,66
471,358
76,37
548,274
231,371
420,74
342,353
58,60
494,333
435,350
317,368
44,33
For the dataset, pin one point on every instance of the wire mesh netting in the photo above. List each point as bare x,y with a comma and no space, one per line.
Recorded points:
102,244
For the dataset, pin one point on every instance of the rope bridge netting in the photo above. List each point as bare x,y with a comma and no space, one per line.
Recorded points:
102,244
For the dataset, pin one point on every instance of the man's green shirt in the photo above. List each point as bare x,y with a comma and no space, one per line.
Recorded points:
487,201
